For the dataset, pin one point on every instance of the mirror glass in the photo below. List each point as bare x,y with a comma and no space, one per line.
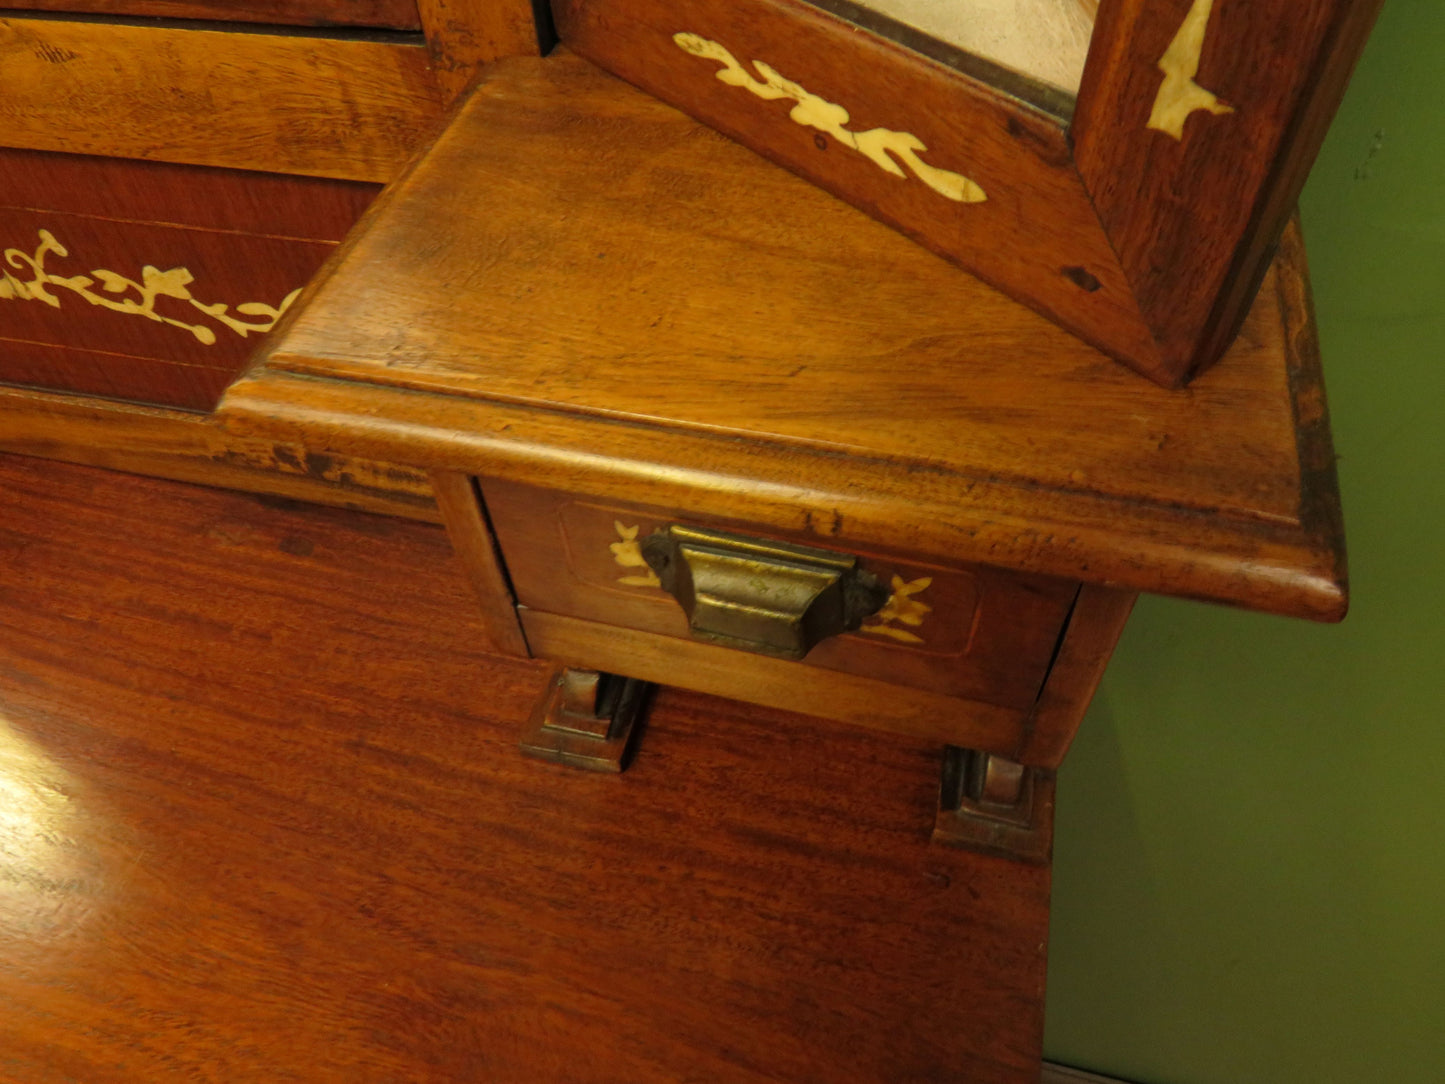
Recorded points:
1044,40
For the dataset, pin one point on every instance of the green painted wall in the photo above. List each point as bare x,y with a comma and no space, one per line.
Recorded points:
1250,857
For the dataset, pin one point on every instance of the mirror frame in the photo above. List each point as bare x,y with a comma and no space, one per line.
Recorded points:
1140,215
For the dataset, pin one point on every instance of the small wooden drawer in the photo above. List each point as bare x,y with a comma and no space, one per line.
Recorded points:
964,631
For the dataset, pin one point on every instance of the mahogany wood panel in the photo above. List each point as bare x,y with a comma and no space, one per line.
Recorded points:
1036,235
777,683
972,631
462,511
268,821
82,313
615,322
301,208
1195,218
279,103
81,295
112,376
192,448
394,14
463,35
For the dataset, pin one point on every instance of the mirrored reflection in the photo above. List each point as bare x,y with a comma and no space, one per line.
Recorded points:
49,878
1047,40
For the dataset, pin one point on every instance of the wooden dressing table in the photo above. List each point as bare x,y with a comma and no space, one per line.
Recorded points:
659,383
690,420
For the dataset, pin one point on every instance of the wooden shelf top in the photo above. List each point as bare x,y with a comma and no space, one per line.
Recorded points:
580,286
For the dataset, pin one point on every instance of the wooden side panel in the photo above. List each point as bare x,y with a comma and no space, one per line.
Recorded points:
113,376
1016,214
463,35
759,353
315,106
152,282
1196,125
392,14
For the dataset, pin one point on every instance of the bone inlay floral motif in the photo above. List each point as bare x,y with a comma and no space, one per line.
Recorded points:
153,284
1179,95
627,552
881,146
902,608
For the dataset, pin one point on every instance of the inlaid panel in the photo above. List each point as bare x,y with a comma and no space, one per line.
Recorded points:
150,282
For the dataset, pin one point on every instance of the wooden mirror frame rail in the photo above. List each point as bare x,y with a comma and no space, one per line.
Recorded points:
1140,216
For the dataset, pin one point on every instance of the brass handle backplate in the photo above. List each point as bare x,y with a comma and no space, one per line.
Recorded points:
775,598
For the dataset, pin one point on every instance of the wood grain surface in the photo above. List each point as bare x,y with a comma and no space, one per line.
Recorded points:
646,311
281,103
298,208
266,819
982,634
190,447
463,35
394,14
1195,219
1036,235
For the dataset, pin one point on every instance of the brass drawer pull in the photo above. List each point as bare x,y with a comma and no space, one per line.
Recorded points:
774,598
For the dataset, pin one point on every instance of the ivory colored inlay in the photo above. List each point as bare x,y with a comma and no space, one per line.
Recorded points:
627,552
902,608
153,284
878,145
1179,95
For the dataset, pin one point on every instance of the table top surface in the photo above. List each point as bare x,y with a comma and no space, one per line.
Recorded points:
580,281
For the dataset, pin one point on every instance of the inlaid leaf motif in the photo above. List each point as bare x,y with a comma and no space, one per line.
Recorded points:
903,608
112,283
170,283
115,290
884,147
627,552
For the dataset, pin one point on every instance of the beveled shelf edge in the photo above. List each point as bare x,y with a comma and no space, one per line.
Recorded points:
183,446
1288,570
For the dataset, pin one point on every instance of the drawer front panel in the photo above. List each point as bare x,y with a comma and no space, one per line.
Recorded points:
147,283
965,631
